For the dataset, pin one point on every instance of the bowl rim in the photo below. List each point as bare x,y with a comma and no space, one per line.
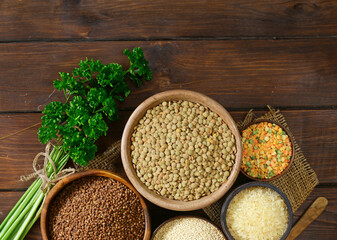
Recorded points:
291,137
186,216
248,185
153,197
87,173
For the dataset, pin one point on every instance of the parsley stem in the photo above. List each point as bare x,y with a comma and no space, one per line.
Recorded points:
100,110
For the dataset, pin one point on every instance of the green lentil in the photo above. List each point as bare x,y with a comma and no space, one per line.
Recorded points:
192,140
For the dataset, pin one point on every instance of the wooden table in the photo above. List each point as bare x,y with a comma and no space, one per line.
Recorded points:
245,54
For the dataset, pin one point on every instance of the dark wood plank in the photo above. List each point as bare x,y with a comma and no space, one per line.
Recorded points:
17,152
8,200
314,130
76,19
324,227
238,74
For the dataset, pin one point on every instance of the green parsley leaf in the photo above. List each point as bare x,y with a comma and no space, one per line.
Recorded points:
96,96
96,127
92,91
110,108
110,75
54,115
78,112
138,66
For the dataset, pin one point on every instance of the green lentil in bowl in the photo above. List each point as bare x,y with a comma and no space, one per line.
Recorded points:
182,150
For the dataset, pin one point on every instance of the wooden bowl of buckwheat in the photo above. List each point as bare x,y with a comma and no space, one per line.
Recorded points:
94,204
181,150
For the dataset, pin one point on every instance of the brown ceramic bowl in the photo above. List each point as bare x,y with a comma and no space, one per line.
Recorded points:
291,138
61,184
153,197
180,217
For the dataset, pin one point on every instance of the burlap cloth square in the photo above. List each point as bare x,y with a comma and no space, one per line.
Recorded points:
297,183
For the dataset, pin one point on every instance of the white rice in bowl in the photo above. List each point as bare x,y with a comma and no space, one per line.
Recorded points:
257,213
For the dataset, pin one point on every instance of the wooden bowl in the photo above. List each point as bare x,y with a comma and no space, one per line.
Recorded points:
61,184
153,197
185,216
248,185
291,138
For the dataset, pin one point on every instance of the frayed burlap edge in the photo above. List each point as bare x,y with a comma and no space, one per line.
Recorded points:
297,183
108,160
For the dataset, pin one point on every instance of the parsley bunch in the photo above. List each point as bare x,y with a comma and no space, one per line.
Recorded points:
92,92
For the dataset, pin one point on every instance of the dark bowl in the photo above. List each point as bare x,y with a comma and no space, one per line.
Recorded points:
291,138
248,185
184,216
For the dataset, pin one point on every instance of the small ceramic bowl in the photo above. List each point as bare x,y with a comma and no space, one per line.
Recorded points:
61,184
185,216
291,138
152,196
248,185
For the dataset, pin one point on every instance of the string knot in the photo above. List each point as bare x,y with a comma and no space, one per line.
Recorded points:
47,181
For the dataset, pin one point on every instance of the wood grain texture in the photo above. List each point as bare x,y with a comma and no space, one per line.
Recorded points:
8,200
241,53
323,228
104,19
310,215
17,152
314,130
238,74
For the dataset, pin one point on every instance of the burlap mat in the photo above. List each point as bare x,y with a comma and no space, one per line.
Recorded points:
108,160
297,183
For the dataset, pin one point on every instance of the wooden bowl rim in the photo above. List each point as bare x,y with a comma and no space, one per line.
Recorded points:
186,216
248,185
87,173
153,197
292,146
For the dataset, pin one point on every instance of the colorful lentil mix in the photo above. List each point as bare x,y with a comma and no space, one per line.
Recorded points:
96,208
267,150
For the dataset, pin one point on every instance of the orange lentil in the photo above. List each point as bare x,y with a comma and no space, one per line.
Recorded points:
267,150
